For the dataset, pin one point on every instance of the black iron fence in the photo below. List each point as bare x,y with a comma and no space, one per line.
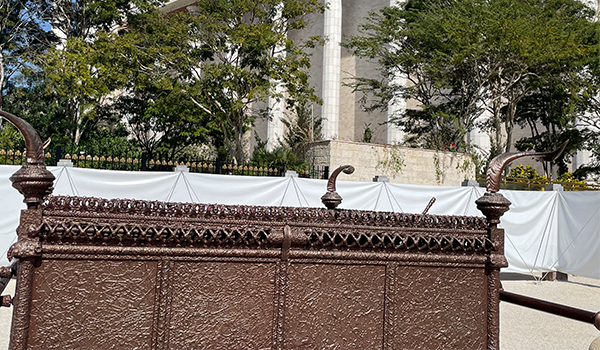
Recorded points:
141,162
13,157
516,183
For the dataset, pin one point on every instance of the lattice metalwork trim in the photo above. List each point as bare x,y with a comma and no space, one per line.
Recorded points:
98,207
419,242
151,235
95,231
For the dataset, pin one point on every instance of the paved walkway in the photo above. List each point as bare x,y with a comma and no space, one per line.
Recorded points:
5,316
520,328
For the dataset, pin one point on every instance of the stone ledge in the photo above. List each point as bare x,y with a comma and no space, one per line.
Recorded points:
399,164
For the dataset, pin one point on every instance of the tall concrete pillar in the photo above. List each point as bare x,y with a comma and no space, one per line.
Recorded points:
395,134
397,106
275,126
581,158
331,70
479,138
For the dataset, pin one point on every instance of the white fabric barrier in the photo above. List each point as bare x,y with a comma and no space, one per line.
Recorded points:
545,231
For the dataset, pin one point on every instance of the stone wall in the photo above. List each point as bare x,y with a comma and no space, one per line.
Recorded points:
400,164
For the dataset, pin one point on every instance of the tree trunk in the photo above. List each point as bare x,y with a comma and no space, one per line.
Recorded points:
239,149
228,142
511,110
78,122
497,125
2,78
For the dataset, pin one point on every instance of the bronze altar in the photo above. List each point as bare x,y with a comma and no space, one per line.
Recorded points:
127,274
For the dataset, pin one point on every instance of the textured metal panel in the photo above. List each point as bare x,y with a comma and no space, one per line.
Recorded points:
226,306
334,307
92,305
440,308
161,305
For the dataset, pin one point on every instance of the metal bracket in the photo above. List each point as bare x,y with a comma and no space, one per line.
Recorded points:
6,300
332,199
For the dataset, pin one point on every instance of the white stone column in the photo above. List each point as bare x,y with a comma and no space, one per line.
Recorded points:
481,139
583,157
332,70
275,126
580,158
396,106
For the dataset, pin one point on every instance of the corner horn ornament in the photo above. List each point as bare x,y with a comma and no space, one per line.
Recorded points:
493,204
32,180
332,199
494,172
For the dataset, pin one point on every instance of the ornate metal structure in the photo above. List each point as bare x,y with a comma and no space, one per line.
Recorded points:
124,274
173,275
332,199
493,205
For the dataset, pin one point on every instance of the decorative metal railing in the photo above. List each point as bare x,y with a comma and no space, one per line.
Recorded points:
16,157
517,183
141,162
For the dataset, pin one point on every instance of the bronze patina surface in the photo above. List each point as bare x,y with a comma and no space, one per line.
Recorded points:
128,274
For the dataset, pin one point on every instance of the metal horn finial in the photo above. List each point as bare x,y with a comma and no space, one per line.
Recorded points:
33,143
32,180
493,204
332,199
494,172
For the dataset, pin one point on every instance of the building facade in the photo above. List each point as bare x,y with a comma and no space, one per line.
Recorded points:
343,117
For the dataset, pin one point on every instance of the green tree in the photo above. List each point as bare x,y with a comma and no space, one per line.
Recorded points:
80,73
24,34
11,138
282,156
165,121
411,41
153,56
249,55
226,58
557,94
463,57
60,88
74,76
28,98
302,129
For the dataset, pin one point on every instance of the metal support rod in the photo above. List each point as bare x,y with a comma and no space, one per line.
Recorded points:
553,308
428,206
